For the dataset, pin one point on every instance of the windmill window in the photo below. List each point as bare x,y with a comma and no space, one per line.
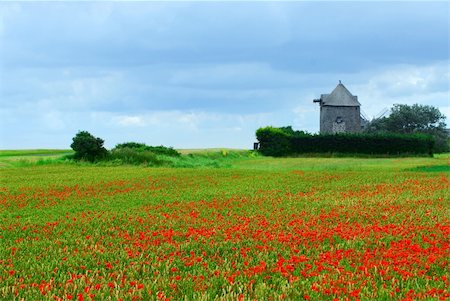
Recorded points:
339,119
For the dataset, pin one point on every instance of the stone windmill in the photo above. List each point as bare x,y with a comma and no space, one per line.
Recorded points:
339,111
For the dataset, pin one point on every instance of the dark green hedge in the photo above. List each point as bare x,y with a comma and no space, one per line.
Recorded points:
284,142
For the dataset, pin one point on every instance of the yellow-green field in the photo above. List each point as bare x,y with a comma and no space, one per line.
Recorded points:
259,229
10,158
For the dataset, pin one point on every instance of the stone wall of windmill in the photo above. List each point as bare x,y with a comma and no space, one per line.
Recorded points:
339,112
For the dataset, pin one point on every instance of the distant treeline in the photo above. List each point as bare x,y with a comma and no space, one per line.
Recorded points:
284,141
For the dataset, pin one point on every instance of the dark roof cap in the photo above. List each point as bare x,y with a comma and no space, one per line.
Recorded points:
340,97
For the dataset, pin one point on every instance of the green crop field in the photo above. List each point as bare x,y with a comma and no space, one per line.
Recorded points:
257,228
10,158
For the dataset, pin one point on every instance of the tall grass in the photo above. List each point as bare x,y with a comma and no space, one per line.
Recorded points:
212,159
225,158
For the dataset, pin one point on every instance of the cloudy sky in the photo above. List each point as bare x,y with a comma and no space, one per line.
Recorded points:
208,74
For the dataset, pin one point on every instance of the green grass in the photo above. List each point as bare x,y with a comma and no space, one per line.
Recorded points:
34,152
241,159
433,168
341,164
249,227
208,158
21,158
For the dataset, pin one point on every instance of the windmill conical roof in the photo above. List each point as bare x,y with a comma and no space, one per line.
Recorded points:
340,97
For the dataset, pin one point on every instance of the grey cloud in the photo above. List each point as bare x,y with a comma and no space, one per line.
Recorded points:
306,37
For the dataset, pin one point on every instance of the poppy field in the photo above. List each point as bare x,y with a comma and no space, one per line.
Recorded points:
264,229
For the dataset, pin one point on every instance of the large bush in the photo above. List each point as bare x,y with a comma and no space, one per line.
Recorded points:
88,147
274,141
284,142
141,147
140,153
126,155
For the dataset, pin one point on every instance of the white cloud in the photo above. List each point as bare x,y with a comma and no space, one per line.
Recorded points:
446,111
193,120
403,84
159,119
7,12
130,120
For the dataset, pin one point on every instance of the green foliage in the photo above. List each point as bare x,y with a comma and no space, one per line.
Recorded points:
280,142
274,141
405,119
149,157
133,145
416,118
134,153
210,159
142,147
239,159
126,155
88,147
393,144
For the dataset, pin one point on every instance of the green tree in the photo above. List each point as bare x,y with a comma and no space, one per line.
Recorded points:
88,147
405,119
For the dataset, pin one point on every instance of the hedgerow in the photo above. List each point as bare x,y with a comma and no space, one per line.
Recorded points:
285,142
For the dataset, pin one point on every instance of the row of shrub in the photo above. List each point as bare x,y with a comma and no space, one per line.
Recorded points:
142,147
140,153
286,142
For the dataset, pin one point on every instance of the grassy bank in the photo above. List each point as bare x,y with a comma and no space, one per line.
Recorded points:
212,158
241,159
